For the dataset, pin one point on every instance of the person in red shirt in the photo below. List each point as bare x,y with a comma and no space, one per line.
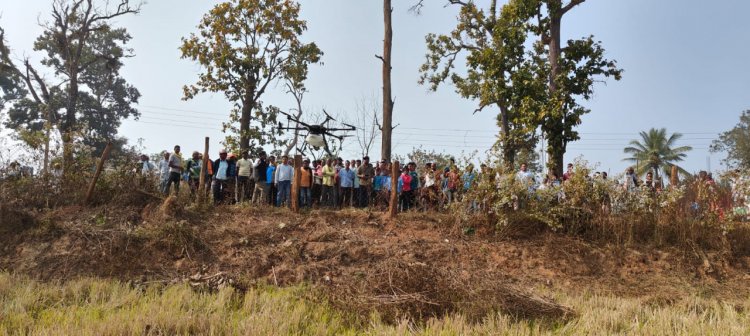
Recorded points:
568,174
406,191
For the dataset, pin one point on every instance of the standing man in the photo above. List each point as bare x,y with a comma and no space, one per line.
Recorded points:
346,178
526,177
175,171
414,183
329,177
366,173
147,167
270,179
305,183
223,172
284,175
193,167
244,171
261,185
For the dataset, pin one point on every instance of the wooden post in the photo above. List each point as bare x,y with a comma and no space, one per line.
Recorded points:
673,178
98,172
296,179
204,169
393,204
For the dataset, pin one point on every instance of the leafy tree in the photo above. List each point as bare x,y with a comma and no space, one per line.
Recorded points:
655,151
11,86
421,156
572,68
736,142
498,71
243,46
86,98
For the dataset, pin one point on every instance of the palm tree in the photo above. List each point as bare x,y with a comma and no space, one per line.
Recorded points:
655,152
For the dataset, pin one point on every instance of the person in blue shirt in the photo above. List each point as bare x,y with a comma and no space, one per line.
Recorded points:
270,178
346,179
223,172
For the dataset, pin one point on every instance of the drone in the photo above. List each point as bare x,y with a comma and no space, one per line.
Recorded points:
316,133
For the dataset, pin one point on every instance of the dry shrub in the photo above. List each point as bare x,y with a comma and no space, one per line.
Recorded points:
691,215
13,220
398,290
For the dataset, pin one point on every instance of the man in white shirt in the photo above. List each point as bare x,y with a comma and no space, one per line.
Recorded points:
283,180
526,177
164,172
175,171
244,171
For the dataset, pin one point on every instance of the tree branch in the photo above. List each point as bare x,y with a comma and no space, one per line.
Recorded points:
570,6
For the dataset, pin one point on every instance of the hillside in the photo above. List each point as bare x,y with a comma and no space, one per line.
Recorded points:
418,266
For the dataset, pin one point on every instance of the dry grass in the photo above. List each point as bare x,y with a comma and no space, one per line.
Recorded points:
105,307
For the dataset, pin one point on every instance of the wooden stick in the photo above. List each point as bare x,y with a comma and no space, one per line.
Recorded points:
296,182
204,169
393,204
98,172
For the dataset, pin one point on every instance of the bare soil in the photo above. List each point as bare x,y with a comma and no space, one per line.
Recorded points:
418,265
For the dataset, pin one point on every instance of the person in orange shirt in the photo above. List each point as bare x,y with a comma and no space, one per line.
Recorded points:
306,180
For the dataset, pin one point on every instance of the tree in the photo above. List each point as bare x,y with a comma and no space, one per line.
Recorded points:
422,156
655,152
736,142
368,124
296,73
84,53
387,126
573,70
11,85
498,73
243,46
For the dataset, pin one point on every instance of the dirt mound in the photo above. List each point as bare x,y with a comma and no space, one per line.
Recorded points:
418,266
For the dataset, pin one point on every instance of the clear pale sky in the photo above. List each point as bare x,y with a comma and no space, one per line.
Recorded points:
685,65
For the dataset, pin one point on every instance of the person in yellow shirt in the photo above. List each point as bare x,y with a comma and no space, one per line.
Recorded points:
329,175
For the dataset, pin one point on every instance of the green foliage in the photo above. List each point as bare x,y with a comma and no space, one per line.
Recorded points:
86,96
736,142
243,46
420,156
498,73
655,152
11,86
566,71
694,213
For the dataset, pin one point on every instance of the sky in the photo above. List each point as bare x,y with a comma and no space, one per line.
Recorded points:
685,69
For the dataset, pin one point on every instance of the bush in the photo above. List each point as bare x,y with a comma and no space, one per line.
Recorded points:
691,214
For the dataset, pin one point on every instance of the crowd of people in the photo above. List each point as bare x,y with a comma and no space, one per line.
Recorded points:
338,183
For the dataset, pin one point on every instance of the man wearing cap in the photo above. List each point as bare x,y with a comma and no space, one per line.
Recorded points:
365,172
223,172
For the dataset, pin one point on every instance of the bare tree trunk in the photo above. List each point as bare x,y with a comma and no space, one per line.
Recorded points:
47,134
98,172
387,129
509,149
247,109
292,144
555,144
393,202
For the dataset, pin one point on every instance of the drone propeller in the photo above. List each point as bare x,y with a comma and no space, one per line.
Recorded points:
328,117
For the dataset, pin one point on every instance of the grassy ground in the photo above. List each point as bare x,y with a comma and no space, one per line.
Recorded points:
106,307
